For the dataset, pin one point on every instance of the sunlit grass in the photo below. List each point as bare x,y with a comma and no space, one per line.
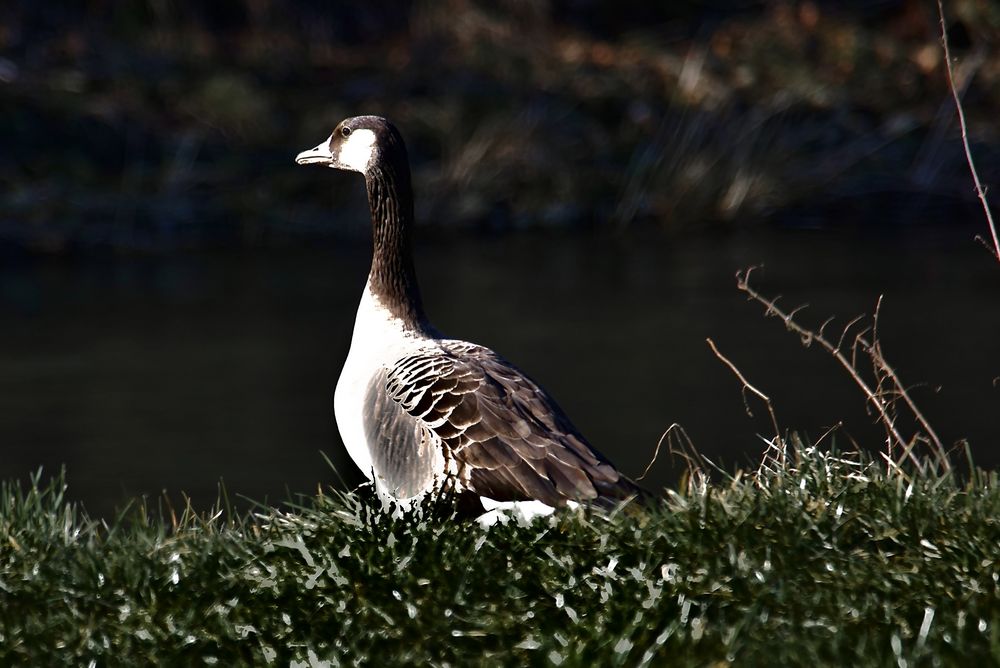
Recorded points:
826,561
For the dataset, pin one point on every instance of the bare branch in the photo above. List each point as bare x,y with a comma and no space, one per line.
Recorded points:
980,191
828,432
847,328
901,392
795,311
698,465
878,310
748,386
876,398
825,324
656,452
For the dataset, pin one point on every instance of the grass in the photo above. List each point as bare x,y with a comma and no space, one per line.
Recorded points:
824,560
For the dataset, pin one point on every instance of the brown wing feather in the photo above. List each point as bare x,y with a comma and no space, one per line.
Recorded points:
513,440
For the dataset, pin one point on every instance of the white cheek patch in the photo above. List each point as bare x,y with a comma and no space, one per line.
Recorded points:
356,151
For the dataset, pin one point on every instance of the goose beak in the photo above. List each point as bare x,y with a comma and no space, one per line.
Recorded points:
320,155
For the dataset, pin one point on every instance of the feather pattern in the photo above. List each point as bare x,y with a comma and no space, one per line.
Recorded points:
509,439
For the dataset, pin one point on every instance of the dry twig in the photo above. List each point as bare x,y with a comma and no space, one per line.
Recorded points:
778,441
656,452
695,479
980,191
887,391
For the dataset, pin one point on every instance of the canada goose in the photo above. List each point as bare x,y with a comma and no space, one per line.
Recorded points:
419,411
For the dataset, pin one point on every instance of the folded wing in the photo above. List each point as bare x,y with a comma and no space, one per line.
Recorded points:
509,436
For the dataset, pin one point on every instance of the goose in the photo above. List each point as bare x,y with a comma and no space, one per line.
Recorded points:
419,412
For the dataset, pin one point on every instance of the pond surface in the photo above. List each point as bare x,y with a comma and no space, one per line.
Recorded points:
171,373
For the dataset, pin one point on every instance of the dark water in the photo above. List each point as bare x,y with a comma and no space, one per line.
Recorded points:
149,374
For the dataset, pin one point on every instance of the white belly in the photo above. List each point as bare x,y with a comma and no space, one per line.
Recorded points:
379,341
347,400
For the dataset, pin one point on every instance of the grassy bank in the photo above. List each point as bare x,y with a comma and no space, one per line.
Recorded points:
826,560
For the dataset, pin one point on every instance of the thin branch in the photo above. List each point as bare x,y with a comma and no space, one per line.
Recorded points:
919,416
847,327
742,282
825,323
747,386
656,452
829,431
900,391
697,464
873,351
980,191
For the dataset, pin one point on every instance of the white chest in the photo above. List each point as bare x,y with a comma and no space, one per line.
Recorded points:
379,340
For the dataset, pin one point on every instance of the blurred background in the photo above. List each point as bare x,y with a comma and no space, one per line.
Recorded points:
177,297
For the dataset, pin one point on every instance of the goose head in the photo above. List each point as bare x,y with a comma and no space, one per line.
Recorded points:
355,144
373,146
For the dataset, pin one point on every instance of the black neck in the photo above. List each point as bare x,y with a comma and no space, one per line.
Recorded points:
390,197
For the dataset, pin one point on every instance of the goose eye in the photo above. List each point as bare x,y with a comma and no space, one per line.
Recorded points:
345,131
